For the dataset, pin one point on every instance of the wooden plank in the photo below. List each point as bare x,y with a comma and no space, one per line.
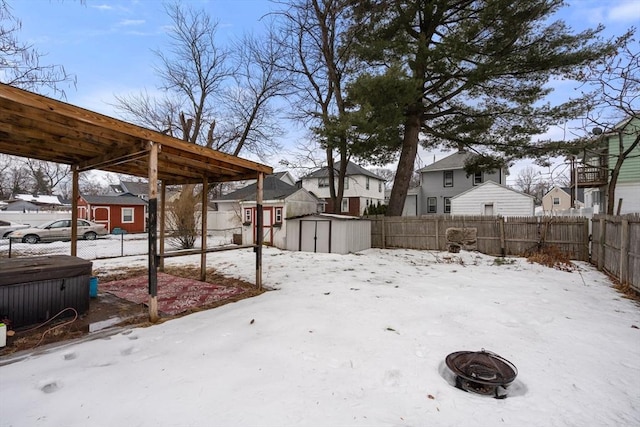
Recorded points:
186,252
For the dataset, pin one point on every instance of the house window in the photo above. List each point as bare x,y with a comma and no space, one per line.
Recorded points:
247,216
344,207
432,204
127,215
346,183
477,178
379,186
447,205
367,185
278,215
323,182
448,178
556,201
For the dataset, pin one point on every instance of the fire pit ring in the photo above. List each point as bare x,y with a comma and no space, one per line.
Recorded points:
482,372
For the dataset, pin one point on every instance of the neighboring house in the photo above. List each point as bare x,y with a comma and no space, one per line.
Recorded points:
43,202
126,212
21,206
593,172
135,188
559,199
361,188
446,178
490,198
280,200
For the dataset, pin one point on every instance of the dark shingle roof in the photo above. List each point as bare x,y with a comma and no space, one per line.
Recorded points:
352,169
125,199
273,188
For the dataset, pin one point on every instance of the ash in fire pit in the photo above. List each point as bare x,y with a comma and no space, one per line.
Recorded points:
482,372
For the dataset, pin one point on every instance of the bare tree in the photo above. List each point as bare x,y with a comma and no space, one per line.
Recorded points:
320,59
211,98
46,176
20,64
615,111
531,181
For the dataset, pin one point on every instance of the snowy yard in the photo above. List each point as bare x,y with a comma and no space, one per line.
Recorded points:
352,340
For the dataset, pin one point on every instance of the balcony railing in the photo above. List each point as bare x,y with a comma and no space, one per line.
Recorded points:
590,176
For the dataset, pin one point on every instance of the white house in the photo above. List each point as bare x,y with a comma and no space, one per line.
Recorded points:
281,201
445,179
361,188
490,198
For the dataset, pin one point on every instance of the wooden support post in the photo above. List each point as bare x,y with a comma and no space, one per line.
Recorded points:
624,252
163,222
203,232
75,195
259,230
602,236
152,232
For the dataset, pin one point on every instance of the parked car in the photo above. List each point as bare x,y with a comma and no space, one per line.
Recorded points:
58,229
7,227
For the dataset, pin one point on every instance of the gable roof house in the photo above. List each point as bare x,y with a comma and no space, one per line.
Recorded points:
134,188
361,188
490,198
125,212
281,201
446,178
593,170
558,199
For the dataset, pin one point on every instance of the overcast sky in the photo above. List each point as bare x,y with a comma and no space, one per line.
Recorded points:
108,45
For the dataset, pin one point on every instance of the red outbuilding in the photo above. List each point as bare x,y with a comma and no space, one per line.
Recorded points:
126,212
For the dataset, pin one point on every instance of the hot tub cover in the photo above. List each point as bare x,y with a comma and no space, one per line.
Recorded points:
34,269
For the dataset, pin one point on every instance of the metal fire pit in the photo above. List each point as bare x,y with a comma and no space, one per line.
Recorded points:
482,372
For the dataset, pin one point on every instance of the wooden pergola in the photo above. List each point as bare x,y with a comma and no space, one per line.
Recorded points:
38,127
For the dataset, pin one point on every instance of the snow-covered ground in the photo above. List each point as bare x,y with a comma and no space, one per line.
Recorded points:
354,339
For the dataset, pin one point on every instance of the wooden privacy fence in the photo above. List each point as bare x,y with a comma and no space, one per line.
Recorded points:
616,247
495,235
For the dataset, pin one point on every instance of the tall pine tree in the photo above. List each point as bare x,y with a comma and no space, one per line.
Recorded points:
461,73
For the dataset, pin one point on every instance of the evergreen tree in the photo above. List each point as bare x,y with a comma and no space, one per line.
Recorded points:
461,73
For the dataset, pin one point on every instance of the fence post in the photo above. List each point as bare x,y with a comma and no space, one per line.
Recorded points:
437,234
384,244
601,243
624,252
502,239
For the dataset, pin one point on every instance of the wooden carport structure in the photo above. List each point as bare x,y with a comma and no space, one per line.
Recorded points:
38,127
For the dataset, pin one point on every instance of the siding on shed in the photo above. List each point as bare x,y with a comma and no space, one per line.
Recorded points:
506,202
347,234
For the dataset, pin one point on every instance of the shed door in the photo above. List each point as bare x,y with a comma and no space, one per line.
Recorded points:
315,236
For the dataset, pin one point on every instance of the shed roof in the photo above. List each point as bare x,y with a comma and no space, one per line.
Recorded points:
492,183
42,128
125,199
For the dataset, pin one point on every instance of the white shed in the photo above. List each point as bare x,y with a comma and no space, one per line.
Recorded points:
328,233
491,198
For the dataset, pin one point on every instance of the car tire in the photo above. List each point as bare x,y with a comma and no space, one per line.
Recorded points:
90,235
30,238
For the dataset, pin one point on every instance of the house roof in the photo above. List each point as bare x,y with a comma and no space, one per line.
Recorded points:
451,162
133,187
273,188
39,199
492,183
352,169
125,199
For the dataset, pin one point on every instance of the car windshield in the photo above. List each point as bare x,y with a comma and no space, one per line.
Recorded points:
54,224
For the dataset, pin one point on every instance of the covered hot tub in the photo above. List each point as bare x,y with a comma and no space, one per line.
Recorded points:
33,290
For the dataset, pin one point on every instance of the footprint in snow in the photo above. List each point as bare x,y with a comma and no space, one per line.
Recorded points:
49,386
70,356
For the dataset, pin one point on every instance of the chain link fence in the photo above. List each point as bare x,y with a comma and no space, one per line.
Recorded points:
109,246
